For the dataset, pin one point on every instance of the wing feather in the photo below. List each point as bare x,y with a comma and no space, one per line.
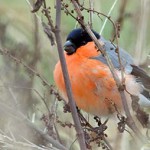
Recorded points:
127,62
126,58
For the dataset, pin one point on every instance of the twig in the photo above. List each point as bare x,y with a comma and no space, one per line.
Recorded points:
56,30
91,4
48,17
98,43
74,113
130,121
117,46
88,126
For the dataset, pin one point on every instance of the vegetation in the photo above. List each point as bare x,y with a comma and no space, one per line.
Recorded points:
31,110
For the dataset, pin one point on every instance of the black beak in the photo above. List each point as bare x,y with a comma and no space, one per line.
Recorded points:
69,47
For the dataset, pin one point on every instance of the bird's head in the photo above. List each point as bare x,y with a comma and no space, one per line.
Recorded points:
76,38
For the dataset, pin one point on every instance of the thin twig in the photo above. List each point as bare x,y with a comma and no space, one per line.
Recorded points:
88,126
91,4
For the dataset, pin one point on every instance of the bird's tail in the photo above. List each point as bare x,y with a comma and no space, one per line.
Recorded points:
144,79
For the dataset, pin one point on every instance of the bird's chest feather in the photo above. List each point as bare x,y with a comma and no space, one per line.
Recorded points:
93,87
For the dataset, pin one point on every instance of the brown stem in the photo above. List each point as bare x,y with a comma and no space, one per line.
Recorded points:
130,122
91,4
100,44
74,113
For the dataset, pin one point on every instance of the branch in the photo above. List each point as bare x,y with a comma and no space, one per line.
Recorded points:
74,113
117,34
56,30
91,4
99,44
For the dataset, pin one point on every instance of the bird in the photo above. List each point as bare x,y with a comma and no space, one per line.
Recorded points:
93,86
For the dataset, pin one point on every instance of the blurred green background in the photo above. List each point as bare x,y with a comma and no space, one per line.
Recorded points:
22,35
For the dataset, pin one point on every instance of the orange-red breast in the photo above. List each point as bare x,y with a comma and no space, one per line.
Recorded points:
93,86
